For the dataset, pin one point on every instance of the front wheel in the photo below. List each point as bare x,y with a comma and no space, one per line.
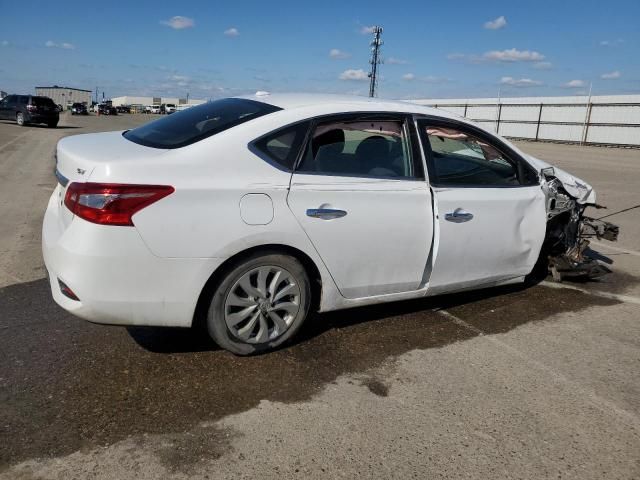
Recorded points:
260,304
20,119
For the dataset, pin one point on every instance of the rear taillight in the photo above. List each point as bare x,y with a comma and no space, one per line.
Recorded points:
112,204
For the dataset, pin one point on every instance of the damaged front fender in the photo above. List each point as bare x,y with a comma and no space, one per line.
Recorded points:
568,229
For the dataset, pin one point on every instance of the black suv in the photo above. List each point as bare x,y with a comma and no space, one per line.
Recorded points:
79,109
106,109
26,109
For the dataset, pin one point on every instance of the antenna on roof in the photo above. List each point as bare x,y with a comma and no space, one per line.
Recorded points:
375,60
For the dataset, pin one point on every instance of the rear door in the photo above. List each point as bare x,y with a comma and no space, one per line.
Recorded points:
491,216
359,194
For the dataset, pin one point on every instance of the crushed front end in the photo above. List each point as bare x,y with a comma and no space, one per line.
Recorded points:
569,230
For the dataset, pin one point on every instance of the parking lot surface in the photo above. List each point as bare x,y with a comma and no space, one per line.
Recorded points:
537,382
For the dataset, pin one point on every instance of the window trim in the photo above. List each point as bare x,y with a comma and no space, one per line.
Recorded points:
510,155
405,118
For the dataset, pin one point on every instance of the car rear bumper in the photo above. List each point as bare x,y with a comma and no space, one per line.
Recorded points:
115,276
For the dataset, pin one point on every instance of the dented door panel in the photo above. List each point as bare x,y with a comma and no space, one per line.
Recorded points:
501,241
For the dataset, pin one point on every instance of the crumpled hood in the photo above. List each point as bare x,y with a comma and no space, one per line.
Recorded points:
576,187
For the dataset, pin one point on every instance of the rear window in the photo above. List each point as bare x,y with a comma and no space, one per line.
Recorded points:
192,125
42,101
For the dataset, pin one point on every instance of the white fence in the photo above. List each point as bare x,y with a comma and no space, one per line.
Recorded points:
610,120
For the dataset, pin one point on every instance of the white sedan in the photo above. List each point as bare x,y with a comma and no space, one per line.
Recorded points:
247,213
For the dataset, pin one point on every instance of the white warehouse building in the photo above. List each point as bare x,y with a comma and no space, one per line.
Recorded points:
148,101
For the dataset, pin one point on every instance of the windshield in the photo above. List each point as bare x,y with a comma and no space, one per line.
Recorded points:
192,125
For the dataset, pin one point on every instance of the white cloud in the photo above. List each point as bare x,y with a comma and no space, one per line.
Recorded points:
5,43
231,32
519,82
543,65
428,79
612,43
367,30
353,74
611,75
574,84
496,24
178,22
338,54
510,55
395,61
65,45
513,55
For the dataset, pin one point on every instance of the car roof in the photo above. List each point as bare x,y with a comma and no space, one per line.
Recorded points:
343,103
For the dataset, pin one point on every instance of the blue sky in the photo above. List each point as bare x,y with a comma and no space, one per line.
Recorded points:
213,49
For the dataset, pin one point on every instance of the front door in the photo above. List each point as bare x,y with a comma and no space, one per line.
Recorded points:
491,216
359,194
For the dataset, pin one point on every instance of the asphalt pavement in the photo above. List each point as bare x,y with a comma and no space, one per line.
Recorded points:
513,382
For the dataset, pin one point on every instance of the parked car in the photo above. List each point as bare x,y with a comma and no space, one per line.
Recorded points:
79,109
153,109
167,108
105,109
247,213
25,109
123,109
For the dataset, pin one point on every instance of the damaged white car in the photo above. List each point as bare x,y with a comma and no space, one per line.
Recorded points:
246,214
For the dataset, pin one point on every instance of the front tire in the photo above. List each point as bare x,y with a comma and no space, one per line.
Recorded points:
20,119
259,304
52,124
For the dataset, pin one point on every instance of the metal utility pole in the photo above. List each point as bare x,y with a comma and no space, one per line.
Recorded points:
375,60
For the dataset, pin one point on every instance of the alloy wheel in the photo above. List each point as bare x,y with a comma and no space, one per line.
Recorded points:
262,304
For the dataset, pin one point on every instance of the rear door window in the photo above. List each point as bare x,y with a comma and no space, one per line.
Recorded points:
196,123
362,148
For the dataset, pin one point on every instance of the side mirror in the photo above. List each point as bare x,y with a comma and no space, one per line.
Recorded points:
548,173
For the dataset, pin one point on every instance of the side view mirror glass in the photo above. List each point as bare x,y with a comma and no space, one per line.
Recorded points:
548,172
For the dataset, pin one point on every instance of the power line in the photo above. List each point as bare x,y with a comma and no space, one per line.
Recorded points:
375,59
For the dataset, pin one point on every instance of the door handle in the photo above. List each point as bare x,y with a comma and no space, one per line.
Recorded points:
325,213
458,216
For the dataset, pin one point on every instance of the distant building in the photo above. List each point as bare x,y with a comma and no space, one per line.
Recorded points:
65,96
149,101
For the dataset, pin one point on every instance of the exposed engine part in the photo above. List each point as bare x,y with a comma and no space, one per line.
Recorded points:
568,234
558,201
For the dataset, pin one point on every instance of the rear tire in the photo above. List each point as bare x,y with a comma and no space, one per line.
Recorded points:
52,124
20,119
259,304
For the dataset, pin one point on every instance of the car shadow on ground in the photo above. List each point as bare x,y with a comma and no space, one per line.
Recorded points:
181,340
81,385
38,125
